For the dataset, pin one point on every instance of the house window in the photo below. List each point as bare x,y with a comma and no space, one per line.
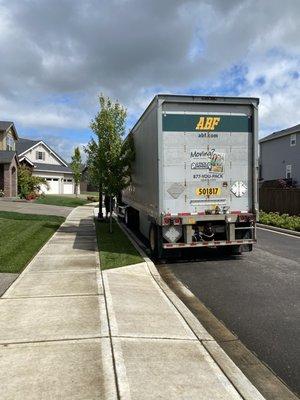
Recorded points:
10,143
288,172
40,155
293,140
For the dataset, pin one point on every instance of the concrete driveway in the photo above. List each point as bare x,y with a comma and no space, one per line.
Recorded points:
32,208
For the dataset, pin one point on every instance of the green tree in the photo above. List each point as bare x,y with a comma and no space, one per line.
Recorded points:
109,156
29,185
76,166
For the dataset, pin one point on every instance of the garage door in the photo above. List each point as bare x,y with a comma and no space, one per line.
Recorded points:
68,186
53,186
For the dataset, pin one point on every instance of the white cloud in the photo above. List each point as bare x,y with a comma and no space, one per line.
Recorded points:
46,114
56,55
276,82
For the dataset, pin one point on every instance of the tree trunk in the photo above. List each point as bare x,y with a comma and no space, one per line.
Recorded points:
100,212
110,215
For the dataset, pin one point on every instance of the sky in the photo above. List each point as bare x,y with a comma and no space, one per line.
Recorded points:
57,56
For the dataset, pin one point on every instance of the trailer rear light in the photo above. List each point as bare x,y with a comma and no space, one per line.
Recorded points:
166,221
177,221
251,218
245,218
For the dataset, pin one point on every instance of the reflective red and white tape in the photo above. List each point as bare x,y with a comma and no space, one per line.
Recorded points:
213,243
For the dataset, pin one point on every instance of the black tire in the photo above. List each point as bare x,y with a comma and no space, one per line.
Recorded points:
155,241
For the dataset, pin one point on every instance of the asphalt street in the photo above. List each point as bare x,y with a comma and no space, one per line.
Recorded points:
257,296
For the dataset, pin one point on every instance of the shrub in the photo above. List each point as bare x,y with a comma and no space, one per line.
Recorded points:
92,198
29,186
281,221
1,193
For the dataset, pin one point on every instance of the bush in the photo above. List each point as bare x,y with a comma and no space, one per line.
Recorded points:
281,221
1,193
29,186
92,198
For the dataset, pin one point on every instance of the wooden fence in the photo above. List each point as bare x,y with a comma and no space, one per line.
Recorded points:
284,201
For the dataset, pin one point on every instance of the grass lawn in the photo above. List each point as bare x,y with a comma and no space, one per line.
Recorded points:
64,201
115,248
21,237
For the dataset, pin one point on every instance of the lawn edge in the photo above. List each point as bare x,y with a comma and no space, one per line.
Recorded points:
31,260
278,229
99,250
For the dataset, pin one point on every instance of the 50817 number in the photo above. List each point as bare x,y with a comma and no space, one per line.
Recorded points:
209,191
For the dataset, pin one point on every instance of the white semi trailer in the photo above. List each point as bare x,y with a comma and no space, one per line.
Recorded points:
194,178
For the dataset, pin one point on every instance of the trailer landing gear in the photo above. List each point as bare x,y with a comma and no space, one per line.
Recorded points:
155,241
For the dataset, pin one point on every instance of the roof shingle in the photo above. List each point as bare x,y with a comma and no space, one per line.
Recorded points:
25,144
51,167
284,132
4,125
6,156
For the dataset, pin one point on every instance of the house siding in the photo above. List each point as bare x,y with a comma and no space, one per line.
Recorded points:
49,158
275,154
3,136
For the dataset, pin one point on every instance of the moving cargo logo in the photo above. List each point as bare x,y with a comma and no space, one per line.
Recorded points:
207,123
210,162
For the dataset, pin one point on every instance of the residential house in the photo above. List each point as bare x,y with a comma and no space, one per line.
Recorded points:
46,163
8,159
85,184
280,155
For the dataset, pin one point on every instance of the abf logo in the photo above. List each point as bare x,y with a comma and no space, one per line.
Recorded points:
207,123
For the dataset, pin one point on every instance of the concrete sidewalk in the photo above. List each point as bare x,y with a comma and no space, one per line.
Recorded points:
64,335
160,349
54,341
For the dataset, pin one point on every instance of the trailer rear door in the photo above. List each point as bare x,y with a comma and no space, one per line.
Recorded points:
207,157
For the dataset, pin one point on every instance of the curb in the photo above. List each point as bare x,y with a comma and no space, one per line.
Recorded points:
240,382
280,230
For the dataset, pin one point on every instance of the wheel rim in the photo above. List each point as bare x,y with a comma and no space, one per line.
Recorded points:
152,239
